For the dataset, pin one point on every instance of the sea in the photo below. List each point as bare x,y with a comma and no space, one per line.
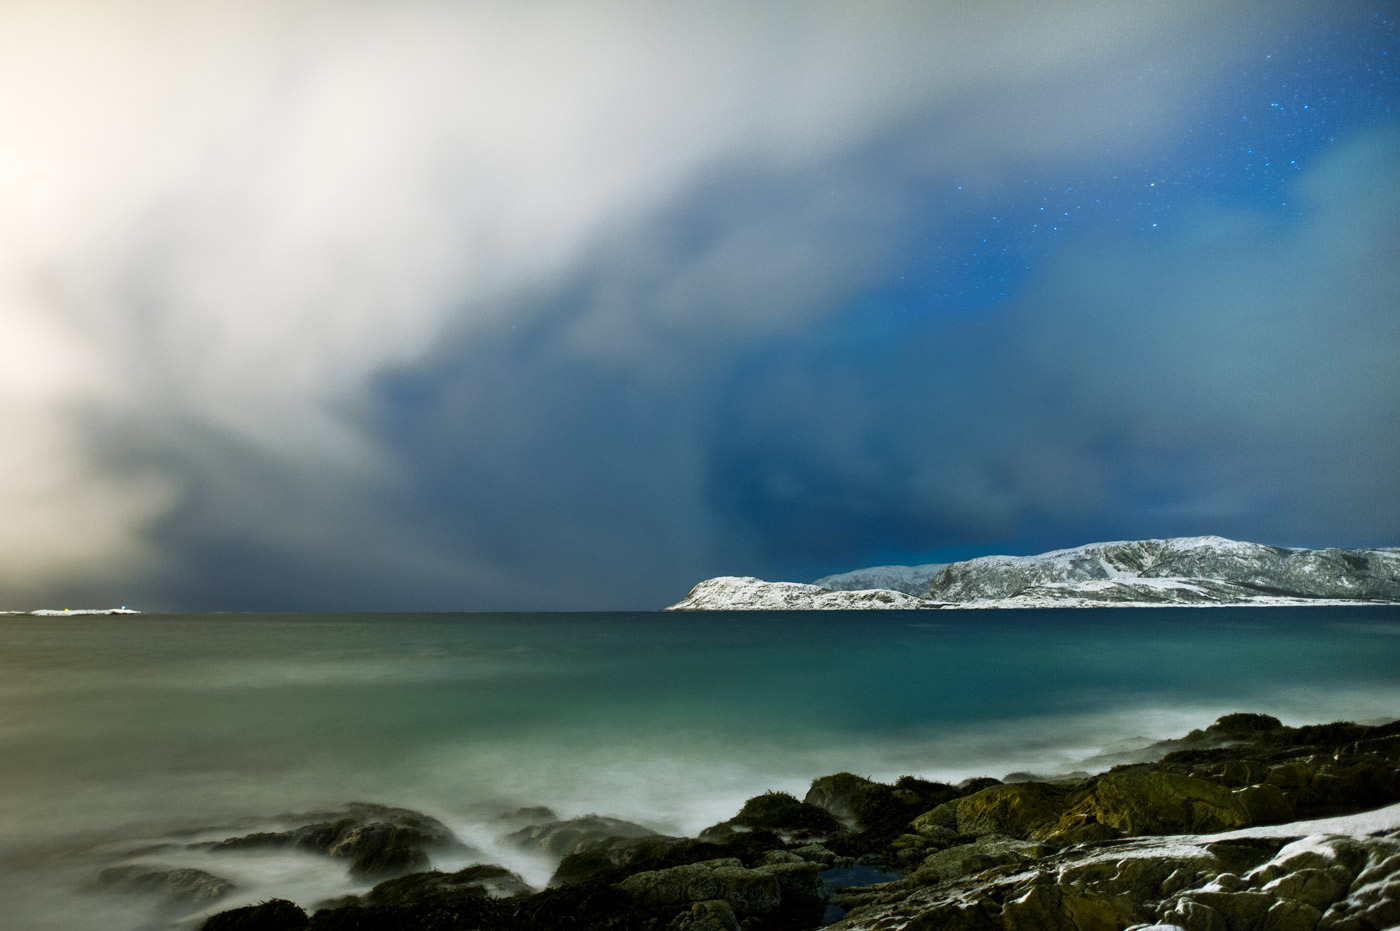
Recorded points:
127,739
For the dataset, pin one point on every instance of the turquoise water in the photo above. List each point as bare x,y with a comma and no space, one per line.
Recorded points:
115,730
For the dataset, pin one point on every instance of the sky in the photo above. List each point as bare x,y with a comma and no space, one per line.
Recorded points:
473,306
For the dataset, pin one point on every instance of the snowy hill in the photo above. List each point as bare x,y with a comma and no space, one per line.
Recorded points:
1184,570
1181,571
912,580
733,593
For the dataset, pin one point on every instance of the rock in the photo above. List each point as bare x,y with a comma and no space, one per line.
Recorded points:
486,880
800,884
982,854
1265,804
1138,802
1242,855
561,838
528,815
377,840
272,915
1243,727
838,793
1237,774
172,886
816,853
1318,888
781,813
1061,908
609,855
1013,810
1245,882
710,915
380,850
748,892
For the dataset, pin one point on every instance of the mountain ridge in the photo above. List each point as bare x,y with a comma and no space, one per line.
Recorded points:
1176,571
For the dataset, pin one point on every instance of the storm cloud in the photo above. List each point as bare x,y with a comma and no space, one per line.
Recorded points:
469,306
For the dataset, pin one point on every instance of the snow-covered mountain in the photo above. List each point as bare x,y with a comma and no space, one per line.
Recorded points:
1180,571
733,593
1184,570
912,580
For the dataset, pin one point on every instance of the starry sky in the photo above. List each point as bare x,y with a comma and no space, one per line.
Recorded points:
454,305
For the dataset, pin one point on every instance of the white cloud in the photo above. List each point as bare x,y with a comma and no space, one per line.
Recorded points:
234,214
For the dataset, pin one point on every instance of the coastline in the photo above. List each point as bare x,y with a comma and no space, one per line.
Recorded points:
69,612
1232,823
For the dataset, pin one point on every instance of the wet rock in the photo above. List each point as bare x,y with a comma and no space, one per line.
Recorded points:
816,853
561,838
982,854
1241,855
1240,910
1318,888
1012,810
528,815
1315,883
839,793
610,855
272,915
710,915
1061,908
1237,774
748,892
171,886
377,840
485,880
379,850
1136,802
875,807
782,814
800,884
1265,804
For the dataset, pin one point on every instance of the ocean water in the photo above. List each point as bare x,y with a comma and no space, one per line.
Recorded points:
122,736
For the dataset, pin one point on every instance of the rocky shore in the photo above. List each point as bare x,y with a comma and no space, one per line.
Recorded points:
1246,825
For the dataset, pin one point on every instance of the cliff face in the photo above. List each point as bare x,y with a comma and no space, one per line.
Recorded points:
1186,570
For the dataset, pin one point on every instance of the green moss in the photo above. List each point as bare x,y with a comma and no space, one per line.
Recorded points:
779,811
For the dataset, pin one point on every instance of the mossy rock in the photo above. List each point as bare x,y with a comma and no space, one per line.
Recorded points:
838,793
1018,809
1245,726
483,880
1265,804
173,886
748,892
781,813
710,915
1056,908
272,915
561,838
1153,802
982,854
